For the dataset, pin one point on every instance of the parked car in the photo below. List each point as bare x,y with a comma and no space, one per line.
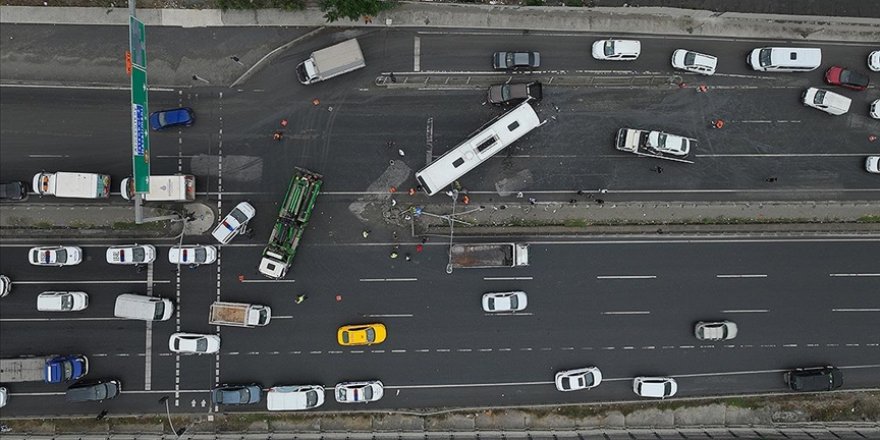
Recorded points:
516,60
841,76
359,392
294,397
872,165
670,143
715,331
93,390
163,119
579,379
193,255
694,62
234,223
874,110
5,285
874,61
236,394
194,343
501,94
366,334
616,50
132,254
4,396
659,387
814,379
15,191
828,102
55,256
505,301
62,301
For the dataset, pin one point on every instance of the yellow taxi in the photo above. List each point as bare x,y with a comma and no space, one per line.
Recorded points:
361,334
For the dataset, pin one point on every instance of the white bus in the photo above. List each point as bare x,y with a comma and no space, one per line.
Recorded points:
489,139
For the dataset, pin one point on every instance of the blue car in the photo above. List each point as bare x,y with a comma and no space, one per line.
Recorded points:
163,119
236,394
66,368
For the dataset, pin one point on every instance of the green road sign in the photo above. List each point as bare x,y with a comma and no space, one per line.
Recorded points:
140,134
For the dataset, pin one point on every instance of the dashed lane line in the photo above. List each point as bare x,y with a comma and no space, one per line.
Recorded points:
855,310
508,278
742,276
402,315
854,274
59,319
628,312
97,282
374,280
746,311
625,277
245,280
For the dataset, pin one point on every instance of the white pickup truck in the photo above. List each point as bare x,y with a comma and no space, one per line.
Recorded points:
655,144
239,314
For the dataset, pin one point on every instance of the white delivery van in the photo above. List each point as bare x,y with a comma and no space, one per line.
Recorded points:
175,188
785,59
72,185
145,308
294,397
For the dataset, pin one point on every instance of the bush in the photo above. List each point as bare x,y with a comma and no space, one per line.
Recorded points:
534,2
261,4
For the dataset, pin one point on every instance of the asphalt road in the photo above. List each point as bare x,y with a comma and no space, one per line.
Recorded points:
627,307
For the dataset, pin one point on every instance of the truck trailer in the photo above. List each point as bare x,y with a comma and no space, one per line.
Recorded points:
48,369
172,188
239,314
332,61
293,217
72,185
655,144
466,256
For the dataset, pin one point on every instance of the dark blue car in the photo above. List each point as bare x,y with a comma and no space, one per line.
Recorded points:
66,368
163,119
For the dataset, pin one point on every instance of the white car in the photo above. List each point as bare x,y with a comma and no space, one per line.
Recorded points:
874,61
359,392
194,343
5,285
131,254
715,331
670,143
618,50
4,396
62,301
827,101
875,109
55,256
694,62
192,255
234,223
505,301
872,164
579,379
294,397
658,387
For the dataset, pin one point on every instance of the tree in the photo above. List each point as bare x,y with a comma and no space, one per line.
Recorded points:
353,9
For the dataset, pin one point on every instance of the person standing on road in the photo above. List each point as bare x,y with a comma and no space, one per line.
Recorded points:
300,298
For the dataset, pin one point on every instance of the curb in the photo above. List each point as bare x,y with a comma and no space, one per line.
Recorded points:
659,229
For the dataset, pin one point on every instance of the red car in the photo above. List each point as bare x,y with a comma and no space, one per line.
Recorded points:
841,76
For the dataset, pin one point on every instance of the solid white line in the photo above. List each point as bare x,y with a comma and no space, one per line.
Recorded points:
42,156
402,315
854,274
267,281
95,282
625,277
746,311
148,361
111,88
786,155
507,278
59,319
417,53
510,314
467,385
282,317
369,280
742,276
855,310
635,312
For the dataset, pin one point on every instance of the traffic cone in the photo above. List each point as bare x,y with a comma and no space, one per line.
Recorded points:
412,191
284,122
466,200
316,101
393,189
872,138
241,278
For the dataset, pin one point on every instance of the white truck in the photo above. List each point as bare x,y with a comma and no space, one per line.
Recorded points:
466,256
240,314
332,61
72,185
655,143
173,188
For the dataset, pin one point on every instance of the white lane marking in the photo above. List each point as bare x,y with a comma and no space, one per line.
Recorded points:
742,276
282,317
625,277
746,311
782,154
373,280
96,282
507,278
509,314
403,315
148,359
58,319
471,385
267,281
417,53
854,274
633,312
42,156
855,310
50,86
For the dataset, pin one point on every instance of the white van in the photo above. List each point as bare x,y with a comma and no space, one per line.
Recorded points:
146,308
785,59
175,188
294,397
828,102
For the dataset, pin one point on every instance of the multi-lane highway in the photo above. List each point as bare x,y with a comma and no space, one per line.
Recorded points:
625,306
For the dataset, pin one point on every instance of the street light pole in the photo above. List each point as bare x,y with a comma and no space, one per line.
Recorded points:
454,195
177,434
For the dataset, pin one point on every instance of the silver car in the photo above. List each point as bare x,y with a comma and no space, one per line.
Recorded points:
579,379
715,331
505,301
359,392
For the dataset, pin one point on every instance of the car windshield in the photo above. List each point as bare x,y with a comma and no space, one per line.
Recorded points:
505,92
510,58
138,254
667,388
66,301
311,398
160,310
661,139
238,215
854,78
371,335
243,395
586,379
60,256
690,58
514,301
200,255
101,392
201,344
819,98
491,303
163,118
177,344
764,57
609,48
367,392
345,337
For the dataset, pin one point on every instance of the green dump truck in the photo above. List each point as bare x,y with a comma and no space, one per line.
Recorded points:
293,217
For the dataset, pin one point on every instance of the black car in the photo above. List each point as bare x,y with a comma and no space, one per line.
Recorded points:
512,93
93,391
15,190
516,60
814,379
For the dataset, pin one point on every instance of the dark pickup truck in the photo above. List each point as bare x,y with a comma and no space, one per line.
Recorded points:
513,93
